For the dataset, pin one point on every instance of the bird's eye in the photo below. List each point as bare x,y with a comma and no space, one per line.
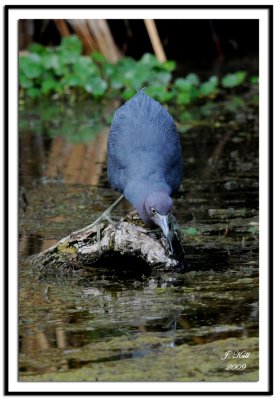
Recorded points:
153,211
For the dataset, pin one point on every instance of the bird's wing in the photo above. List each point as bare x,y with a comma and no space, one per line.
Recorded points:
173,173
117,173
143,143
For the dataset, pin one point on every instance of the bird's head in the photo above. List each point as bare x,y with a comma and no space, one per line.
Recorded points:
158,206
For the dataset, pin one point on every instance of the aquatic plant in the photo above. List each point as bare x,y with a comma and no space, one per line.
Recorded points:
63,72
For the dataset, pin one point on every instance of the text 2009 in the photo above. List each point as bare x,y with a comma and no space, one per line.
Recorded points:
237,367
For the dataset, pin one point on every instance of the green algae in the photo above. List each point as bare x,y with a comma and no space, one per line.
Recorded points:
161,363
65,248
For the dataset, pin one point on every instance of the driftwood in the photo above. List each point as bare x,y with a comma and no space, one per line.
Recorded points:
126,238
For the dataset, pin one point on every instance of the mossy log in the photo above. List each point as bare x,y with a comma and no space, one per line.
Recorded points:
126,238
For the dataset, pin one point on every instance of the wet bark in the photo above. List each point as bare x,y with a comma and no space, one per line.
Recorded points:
126,238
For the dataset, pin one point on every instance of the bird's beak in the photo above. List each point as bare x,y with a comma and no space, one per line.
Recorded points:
163,222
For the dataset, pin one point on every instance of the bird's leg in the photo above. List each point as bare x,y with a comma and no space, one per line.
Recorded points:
105,215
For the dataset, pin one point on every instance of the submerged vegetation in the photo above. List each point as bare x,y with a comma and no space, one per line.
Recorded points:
63,72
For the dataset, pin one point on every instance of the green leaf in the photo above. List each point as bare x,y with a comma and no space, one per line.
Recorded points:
96,86
128,93
253,229
110,69
187,89
51,61
72,43
37,48
84,69
183,85
162,78
149,60
233,80
98,57
116,82
24,81
168,65
208,88
190,231
139,76
183,98
70,49
159,93
254,79
72,80
186,116
30,65
33,92
49,85
193,79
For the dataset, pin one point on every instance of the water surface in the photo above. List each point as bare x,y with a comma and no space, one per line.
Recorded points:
104,325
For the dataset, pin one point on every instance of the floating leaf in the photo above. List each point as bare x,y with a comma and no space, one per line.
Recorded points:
253,229
191,231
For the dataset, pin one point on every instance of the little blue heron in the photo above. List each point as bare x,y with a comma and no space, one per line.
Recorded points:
144,160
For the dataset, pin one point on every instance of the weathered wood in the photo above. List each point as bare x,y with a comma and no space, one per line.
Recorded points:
80,27
155,40
62,27
127,238
100,30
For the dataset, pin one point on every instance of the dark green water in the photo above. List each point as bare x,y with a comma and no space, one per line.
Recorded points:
108,326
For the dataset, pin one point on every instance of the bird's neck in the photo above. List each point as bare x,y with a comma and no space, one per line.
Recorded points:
136,194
